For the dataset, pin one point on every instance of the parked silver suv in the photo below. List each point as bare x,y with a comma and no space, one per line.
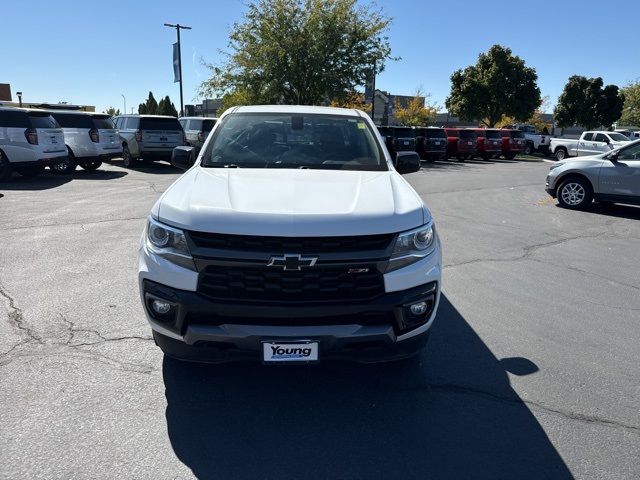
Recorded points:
150,137
196,130
612,177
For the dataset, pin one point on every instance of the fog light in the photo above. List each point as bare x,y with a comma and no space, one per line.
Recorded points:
419,308
161,307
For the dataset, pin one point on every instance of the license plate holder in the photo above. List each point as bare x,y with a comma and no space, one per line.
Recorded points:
290,351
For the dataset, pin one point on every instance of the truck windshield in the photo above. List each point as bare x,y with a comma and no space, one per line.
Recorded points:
618,137
434,133
404,133
517,134
278,140
467,134
492,134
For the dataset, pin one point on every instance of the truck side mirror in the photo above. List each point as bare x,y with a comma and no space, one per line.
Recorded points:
182,157
407,162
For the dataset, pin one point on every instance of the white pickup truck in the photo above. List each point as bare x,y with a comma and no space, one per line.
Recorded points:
589,143
535,142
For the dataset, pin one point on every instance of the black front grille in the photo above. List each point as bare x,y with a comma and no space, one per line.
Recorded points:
279,245
318,283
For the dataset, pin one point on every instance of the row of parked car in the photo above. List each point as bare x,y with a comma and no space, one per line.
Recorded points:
433,143
31,139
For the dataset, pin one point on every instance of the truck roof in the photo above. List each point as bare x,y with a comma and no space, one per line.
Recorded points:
303,109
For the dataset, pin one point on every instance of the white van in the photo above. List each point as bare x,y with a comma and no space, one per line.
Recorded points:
29,140
90,138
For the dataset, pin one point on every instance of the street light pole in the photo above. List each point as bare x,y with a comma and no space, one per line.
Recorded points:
178,27
373,93
19,94
125,103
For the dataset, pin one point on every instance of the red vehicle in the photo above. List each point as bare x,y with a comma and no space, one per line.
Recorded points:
461,143
513,143
489,142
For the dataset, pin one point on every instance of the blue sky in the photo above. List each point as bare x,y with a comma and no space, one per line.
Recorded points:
91,53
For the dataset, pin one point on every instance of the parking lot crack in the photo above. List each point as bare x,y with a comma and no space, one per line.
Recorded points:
515,400
73,329
528,250
16,320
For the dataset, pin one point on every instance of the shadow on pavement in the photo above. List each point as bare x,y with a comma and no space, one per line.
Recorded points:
158,167
452,414
630,212
49,180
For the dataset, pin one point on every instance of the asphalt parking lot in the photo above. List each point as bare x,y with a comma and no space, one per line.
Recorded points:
532,370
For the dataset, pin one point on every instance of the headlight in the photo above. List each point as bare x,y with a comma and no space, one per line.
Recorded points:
412,246
169,243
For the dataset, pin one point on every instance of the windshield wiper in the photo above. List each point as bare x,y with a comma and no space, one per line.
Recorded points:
226,165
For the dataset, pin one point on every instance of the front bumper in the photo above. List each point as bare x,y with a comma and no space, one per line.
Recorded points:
199,328
217,332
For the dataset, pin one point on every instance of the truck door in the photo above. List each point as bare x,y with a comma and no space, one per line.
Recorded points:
622,177
586,146
601,143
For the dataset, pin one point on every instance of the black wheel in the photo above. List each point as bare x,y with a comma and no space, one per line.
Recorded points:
5,168
561,154
127,159
68,166
91,165
575,193
460,158
30,171
510,156
528,149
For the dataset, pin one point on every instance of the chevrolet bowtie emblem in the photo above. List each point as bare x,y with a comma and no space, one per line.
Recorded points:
292,262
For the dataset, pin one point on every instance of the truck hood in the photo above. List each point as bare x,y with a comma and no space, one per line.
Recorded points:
284,202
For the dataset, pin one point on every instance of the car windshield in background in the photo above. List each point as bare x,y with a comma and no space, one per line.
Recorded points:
103,123
404,133
492,134
618,137
268,140
467,134
147,123
207,125
435,134
73,120
517,134
42,120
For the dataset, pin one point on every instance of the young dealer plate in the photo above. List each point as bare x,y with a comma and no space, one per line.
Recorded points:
290,352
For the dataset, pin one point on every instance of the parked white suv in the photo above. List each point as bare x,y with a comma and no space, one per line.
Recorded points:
90,138
148,137
29,140
293,238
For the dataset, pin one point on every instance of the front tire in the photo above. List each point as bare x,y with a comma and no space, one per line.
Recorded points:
5,168
510,156
127,159
91,165
528,149
68,166
561,154
575,193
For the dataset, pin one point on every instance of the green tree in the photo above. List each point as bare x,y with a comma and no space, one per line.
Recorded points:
631,108
300,52
586,102
112,111
150,107
499,84
416,113
165,107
